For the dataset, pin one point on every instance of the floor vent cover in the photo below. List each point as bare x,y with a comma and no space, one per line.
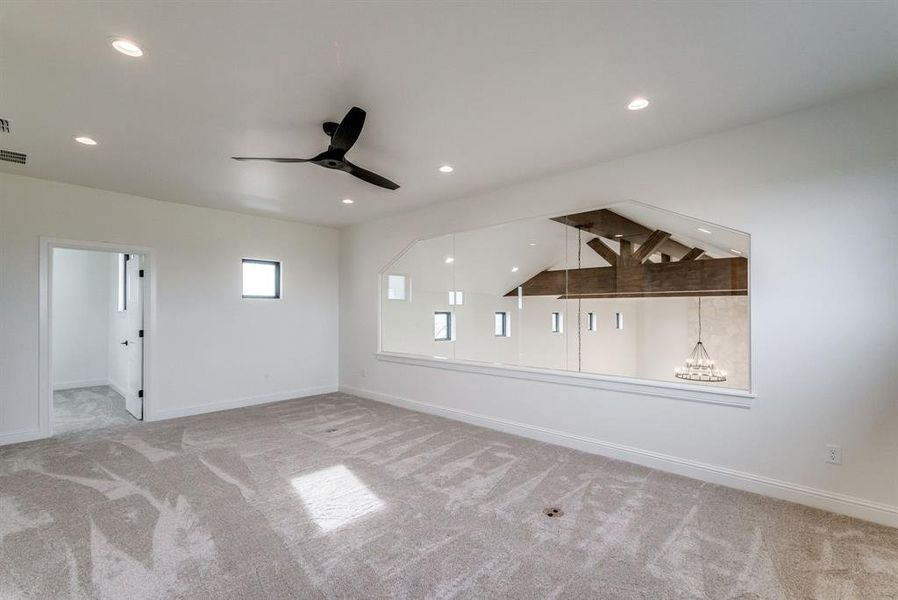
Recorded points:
14,157
553,512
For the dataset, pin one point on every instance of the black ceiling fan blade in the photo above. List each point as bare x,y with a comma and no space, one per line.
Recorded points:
349,129
366,175
277,160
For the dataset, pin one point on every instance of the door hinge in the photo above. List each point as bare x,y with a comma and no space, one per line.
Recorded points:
140,333
140,273
140,393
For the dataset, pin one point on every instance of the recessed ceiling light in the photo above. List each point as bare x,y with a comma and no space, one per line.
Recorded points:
449,259
532,244
618,235
348,201
638,103
734,251
126,47
446,169
514,269
703,230
83,139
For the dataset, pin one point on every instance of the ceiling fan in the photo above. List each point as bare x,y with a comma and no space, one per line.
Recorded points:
343,135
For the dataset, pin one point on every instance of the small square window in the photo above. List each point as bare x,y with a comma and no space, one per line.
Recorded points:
557,322
261,278
442,326
592,323
397,287
501,326
618,320
456,298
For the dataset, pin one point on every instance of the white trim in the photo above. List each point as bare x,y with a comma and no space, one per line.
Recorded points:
199,409
877,512
643,387
118,389
17,437
74,385
45,388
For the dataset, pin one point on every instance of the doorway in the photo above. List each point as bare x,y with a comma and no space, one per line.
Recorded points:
94,327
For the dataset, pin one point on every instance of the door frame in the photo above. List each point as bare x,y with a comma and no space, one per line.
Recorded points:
45,369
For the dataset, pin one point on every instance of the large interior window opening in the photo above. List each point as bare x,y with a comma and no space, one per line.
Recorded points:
630,276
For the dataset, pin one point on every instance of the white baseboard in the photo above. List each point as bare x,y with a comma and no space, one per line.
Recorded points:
876,512
71,385
17,437
161,415
120,390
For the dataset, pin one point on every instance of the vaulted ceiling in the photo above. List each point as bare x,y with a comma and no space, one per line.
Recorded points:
503,92
642,261
494,260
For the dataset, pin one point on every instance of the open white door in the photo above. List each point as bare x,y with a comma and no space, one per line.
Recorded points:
133,343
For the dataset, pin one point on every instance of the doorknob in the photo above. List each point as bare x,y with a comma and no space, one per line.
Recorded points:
125,343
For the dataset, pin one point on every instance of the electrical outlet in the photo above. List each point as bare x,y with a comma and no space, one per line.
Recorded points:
834,454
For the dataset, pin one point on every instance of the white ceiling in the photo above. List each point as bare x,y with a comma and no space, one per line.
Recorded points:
504,92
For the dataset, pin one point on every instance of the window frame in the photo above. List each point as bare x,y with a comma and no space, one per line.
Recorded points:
557,322
406,287
456,298
449,320
506,323
277,278
732,397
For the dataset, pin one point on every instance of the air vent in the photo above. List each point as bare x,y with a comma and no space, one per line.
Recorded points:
4,126
13,157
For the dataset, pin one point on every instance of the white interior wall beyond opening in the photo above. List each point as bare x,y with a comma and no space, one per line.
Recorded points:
81,313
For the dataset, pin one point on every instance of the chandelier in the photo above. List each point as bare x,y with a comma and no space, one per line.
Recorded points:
699,365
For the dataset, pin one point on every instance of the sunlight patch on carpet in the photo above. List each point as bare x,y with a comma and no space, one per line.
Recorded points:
335,497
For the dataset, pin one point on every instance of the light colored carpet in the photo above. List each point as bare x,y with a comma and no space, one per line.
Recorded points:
88,408
338,497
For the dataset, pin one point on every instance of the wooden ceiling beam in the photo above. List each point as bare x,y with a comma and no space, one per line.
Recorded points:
608,224
649,247
603,250
657,295
671,279
626,253
693,254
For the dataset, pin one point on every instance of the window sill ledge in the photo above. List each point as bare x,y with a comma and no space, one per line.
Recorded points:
627,385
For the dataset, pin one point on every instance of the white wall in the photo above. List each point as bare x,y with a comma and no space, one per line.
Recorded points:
80,309
658,333
818,192
211,349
